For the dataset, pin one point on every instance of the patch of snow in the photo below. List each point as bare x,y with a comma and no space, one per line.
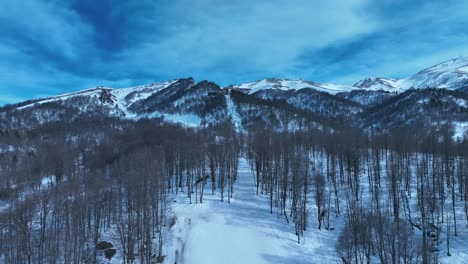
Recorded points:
463,69
186,119
141,92
232,110
461,102
460,130
47,182
190,120
3,207
423,101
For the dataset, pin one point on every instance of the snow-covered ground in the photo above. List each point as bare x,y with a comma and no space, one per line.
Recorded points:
243,231
45,185
460,130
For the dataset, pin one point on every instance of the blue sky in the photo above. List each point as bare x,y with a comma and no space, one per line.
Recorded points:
55,46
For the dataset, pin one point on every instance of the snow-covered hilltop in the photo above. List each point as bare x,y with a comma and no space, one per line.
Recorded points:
452,74
290,84
377,83
121,97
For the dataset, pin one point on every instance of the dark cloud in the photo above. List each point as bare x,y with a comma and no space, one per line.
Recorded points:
50,47
410,36
107,23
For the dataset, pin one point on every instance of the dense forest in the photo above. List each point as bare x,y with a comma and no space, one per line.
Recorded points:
63,185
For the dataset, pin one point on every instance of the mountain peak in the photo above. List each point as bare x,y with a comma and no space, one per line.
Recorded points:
450,65
451,74
290,84
377,83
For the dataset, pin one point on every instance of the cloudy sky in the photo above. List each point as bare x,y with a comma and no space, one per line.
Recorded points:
54,46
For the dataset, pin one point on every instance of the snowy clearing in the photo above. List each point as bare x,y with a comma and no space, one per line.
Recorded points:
243,231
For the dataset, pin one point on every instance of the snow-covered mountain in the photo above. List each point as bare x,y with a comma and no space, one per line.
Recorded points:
290,84
378,83
180,100
452,74
120,98
278,103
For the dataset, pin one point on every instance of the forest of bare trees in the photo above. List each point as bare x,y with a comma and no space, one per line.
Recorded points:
396,189
104,178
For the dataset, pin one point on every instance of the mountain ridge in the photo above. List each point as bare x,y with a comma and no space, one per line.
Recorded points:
451,74
281,103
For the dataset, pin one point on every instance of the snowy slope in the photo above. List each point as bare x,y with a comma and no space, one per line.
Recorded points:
92,92
287,84
233,113
123,97
178,101
243,231
377,84
119,101
452,74
127,96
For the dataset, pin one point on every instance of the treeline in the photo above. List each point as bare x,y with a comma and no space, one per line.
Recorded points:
111,181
